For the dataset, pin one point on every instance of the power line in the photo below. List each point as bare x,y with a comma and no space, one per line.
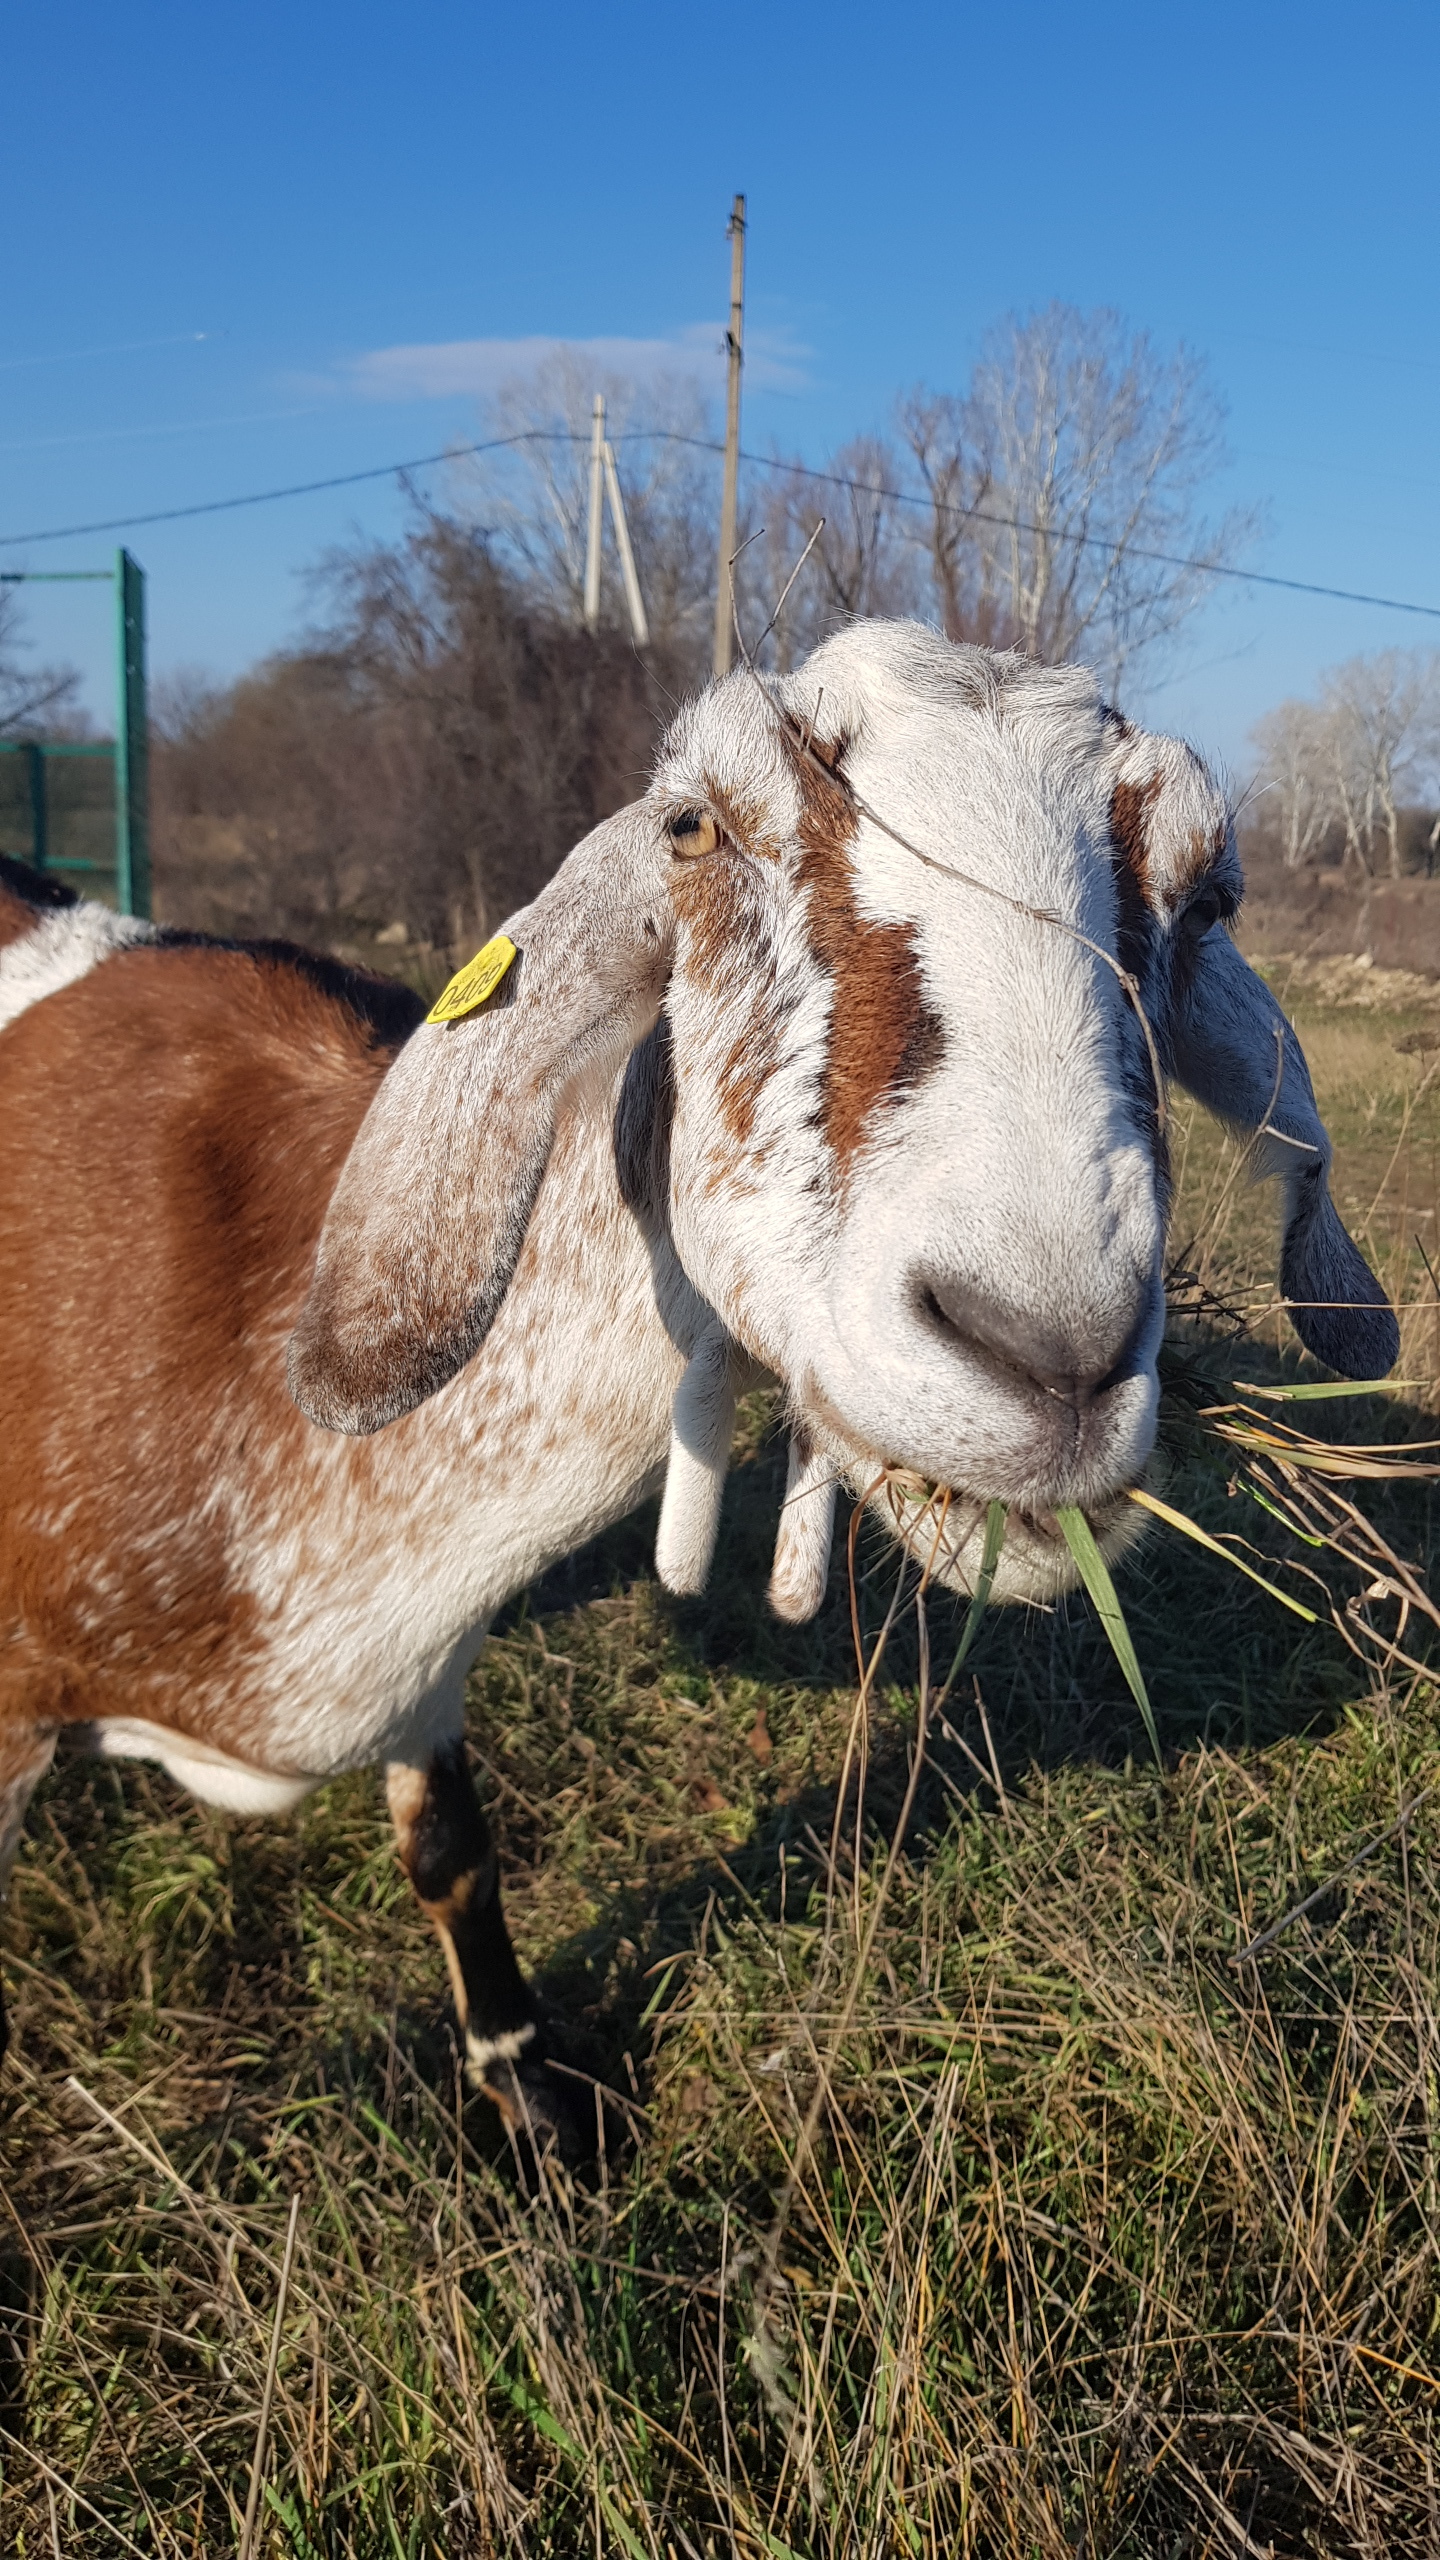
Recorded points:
264,497
1082,541
755,461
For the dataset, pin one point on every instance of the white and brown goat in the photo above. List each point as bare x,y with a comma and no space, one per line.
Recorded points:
812,1063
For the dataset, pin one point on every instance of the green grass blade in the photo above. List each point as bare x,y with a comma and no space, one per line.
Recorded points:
995,1519
1189,1528
285,2508
547,2425
1338,1387
1277,1514
1094,1572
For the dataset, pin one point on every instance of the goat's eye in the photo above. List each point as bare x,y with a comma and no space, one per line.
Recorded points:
694,831
1205,909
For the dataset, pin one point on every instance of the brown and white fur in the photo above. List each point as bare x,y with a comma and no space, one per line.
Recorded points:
766,1093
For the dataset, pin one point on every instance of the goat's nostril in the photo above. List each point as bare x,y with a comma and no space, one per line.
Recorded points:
1066,1366
934,1314
1129,1363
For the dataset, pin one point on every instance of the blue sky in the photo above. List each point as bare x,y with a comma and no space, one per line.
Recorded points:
222,223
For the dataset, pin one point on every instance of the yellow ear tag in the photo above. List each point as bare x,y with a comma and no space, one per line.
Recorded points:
478,979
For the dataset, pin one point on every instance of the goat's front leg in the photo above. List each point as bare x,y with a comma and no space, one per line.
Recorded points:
448,1854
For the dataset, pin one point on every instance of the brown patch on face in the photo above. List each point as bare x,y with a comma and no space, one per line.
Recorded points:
884,1037
754,1056
714,898
1131,804
1199,858
716,905
727,950
1131,808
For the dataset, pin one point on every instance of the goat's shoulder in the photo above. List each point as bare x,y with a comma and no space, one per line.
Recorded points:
197,1099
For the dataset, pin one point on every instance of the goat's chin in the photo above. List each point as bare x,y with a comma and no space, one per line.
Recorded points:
947,1539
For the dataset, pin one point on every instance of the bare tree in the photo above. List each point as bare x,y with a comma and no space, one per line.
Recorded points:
1064,491
34,701
953,481
1348,765
416,769
1295,755
534,500
862,563
1383,719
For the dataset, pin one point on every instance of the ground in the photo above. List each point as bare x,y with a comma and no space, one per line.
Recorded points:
966,2198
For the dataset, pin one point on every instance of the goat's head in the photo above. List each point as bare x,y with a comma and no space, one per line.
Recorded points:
916,1149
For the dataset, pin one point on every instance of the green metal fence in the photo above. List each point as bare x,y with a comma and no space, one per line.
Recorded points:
79,810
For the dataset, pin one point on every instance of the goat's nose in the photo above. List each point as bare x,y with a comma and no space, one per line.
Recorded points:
1075,1364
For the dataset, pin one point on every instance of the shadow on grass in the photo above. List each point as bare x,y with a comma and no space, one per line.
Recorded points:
1227,1669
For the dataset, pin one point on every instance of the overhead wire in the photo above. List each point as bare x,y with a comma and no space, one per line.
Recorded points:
754,462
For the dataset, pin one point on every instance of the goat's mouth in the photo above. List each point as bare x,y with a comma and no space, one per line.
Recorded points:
943,1531
942,1526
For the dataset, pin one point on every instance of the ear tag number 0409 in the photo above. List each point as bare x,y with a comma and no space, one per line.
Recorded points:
478,979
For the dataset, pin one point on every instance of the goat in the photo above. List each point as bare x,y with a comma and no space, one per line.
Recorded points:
838,1058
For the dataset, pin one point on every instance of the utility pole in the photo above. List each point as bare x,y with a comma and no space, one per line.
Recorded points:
729,503
605,481
597,517
633,597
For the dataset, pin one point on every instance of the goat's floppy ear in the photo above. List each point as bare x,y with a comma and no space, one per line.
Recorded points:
426,1222
1235,1051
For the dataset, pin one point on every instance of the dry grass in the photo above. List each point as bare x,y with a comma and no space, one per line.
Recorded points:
1100,2242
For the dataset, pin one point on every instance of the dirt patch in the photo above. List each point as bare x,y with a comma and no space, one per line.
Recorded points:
1348,979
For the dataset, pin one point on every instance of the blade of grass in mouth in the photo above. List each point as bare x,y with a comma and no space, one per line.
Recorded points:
1079,1537
984,1581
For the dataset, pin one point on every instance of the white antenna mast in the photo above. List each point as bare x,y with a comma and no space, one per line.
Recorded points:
633,597
605,480
597,517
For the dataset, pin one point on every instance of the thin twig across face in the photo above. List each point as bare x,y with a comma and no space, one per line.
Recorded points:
802,743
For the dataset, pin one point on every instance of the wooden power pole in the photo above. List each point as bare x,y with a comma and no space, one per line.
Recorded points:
729,503
596,523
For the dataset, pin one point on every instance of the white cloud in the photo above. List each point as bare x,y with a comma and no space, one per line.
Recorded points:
476,367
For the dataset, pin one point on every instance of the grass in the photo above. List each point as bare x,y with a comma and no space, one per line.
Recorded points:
1048,2229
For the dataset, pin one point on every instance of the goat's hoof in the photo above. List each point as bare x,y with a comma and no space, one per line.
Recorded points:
555,2117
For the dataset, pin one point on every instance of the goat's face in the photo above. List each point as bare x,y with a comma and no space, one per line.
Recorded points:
916,1155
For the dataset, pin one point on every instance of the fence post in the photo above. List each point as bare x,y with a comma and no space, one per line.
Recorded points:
132,758
39,809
